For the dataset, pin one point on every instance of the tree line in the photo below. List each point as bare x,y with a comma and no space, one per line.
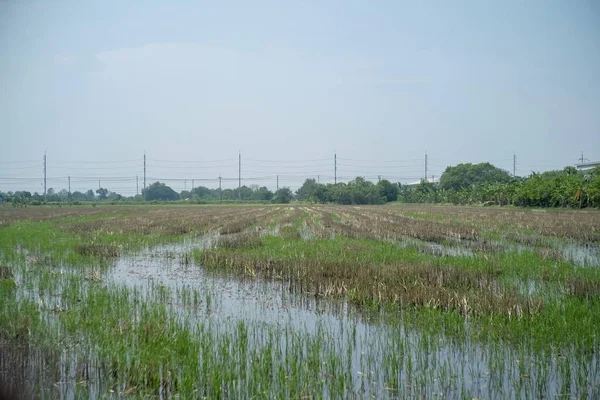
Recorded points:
157,191
466,184
561,188
461,184
160,191
61,196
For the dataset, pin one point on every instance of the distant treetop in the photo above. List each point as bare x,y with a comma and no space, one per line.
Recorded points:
466,175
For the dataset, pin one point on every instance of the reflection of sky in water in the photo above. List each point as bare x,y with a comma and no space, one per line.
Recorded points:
444,365
449,366
582,255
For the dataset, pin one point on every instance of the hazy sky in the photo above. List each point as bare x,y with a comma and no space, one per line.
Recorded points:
288,80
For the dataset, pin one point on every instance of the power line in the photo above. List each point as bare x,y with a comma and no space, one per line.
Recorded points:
381,161
288,161
313,172
91,168
21,178
123,172
187,179
288,166
379,166
94,162
20,162
19,168
188,167
192,161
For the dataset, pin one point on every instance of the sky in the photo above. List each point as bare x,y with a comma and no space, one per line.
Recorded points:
287,85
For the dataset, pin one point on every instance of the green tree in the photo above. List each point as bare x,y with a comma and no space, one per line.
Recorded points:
102,193
21,197
242,193
202,192
388,190
466,175
338,193
78,196
113,196
363,191
228,194
593,187
320,194
262,194
159,191
307,192
425,192
63,194
23,194
283,195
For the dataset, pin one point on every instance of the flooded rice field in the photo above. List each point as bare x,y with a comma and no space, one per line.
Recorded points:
298,302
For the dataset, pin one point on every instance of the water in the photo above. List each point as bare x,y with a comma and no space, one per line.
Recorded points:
437,249
581,255
380,357
448,367
584,255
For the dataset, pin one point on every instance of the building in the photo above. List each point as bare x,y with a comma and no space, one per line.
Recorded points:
429,180
586,166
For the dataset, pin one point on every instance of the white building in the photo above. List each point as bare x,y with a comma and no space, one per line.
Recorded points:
430,180
586,166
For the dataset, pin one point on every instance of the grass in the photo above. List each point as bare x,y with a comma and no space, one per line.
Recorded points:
376,274
335,302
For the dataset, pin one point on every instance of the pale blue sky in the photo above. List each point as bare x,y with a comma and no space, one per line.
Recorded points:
463,81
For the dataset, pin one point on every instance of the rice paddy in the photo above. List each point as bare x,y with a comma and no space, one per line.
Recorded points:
299,301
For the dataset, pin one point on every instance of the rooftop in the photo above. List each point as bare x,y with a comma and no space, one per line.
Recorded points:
588,165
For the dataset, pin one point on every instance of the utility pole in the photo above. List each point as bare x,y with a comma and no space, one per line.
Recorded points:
144,170
192,185
220,191
335,169
137,185
514,165
185,185
44,177
378,178
69,188
425,166
240,175
583,159
318,177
